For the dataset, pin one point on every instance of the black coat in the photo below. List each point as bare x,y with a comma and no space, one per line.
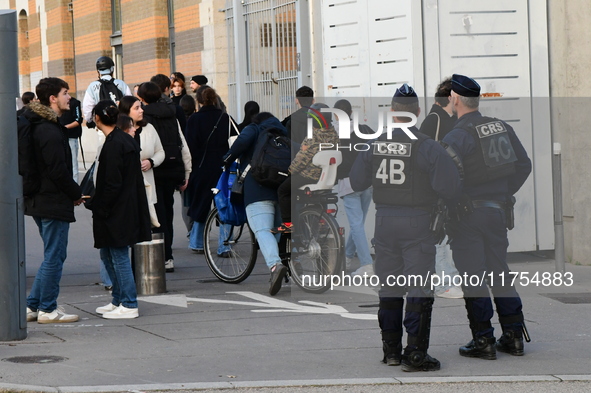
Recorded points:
446,123
58,191
243,148
74,114
297,125
120,206
207,150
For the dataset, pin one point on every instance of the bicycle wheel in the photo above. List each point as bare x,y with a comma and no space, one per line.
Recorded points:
230,251
316,250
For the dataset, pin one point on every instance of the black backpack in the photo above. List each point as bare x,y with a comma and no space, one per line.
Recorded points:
271,158
109,90
173,166
27,162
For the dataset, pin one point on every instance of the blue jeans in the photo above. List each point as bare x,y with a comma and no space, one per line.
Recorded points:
74,147
196,237
118,266
105,279
262,217
356,207
46,287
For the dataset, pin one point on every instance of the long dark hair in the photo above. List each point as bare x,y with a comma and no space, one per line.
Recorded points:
251,109
125,104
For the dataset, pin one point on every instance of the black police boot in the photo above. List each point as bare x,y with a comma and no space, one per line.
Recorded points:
480,347
390,319
511,342
392,346
392,352
416,360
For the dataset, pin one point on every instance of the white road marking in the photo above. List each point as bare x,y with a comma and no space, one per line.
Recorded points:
276,305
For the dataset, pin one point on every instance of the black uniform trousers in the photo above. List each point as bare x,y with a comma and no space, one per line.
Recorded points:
480,248
405,247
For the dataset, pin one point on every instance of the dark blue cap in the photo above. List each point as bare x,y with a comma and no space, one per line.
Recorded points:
405,94
465,86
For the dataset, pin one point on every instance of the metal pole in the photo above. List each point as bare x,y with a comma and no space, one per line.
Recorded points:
13,321
558,226
241,58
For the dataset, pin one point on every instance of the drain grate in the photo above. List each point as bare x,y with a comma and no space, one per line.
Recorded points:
570,298
35,359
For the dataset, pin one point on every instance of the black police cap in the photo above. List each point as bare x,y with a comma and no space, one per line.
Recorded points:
465,86
406,95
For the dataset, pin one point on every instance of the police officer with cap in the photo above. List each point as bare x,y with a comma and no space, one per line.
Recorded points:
408,176
495,166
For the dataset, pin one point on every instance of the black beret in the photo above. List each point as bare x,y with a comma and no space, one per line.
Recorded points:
465,86
200,79
406,95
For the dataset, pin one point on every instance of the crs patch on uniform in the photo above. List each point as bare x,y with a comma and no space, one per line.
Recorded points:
490,129
392,149
495,144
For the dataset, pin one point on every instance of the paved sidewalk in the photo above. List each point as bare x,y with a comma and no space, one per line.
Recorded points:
204,334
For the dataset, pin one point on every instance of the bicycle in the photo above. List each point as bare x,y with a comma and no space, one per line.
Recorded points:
312,253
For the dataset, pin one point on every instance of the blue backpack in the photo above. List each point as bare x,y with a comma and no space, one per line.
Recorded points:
229,213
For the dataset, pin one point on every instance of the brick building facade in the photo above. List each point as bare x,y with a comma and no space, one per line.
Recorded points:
63,38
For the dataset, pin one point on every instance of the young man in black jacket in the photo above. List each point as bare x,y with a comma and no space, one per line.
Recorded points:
52,206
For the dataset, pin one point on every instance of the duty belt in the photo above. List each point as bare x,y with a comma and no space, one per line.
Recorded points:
492,204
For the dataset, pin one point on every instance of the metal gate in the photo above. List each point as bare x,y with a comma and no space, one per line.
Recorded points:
263,55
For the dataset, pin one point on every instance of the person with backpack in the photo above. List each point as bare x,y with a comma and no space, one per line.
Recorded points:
106,87
174,171
262,206
50,193
207,136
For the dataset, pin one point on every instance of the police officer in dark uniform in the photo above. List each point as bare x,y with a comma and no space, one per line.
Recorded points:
495,166
407,176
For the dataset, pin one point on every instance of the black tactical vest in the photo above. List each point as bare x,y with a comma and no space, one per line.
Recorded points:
493,157
397,180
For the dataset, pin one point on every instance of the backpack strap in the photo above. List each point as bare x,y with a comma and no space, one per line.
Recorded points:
438,124
209,137
243,174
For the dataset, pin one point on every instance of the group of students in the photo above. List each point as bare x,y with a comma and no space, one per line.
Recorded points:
144,159
141,138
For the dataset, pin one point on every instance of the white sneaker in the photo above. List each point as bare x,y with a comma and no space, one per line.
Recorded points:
451,293
122,312
31,315
169,266
104,309
56,316
364,269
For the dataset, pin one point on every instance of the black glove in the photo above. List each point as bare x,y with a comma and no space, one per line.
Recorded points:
90,124
228,160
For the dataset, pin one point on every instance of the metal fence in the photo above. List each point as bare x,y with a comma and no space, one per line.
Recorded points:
269,68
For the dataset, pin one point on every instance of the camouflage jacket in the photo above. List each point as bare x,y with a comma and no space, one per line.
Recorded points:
302,163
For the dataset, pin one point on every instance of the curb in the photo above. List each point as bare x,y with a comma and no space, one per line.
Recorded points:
293,383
